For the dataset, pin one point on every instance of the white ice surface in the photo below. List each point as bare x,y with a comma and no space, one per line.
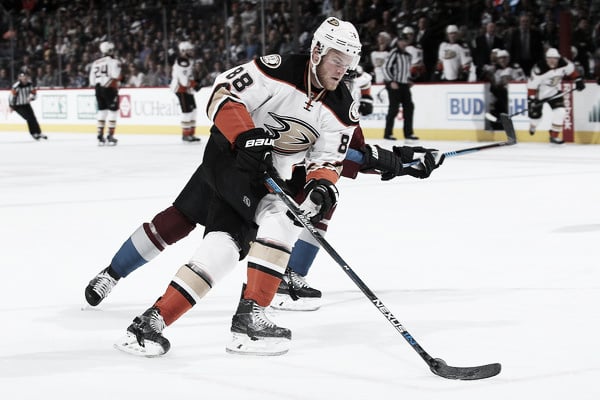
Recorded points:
493,259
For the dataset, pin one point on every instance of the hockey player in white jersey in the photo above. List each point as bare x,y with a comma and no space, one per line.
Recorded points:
454,57
185,86
545,82
269,115
499,73
417,67
105,77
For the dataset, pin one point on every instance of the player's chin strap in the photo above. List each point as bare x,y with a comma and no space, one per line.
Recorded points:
436,365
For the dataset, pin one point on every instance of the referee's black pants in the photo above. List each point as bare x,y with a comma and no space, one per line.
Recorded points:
396,97
26,112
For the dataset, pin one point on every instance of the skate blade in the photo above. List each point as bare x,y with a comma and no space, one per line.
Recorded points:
243,344
286,303
87,307
130,345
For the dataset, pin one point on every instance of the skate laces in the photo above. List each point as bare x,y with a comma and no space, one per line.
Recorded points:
298,280
103,284
260,316
155,320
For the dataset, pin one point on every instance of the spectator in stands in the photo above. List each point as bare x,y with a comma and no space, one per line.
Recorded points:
525,46
583,43
4,80
136,77
484,44
426,39
151,77
49,77
549,31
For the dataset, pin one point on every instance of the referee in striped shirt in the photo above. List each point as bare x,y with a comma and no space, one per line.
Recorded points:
396,75
21,95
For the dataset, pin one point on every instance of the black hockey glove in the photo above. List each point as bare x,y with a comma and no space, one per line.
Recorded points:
534,108
321,196
429,159
579,84
382,160
366,105
254,150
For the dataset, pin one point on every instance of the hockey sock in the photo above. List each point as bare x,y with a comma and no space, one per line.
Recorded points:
185,290
266,265
261,286
150,239
302,257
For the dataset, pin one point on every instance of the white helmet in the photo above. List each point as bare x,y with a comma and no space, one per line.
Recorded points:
107,47
502,53
339,35
552,53
185,46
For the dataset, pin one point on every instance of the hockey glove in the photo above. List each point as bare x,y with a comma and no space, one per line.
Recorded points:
366,105
254,150
381,160
579,84
321,196
429,159
534,108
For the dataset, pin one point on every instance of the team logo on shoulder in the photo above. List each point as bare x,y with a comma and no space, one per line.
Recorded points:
271,60
333,21
354,114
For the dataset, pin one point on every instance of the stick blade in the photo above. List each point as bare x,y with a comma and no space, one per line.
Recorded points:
465,373
509,128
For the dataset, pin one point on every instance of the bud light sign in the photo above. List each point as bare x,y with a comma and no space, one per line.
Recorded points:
465,106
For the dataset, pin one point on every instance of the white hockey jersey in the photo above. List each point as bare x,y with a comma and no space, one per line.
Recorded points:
545,82
182,76
312,129
359,85
455,57
502,76
105,71
417,67
378,59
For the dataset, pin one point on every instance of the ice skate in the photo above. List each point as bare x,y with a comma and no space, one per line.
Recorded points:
411,138
254,334
532,130
554,138
101,140
144,336
99,287
295,294
38,136
111,141
190,138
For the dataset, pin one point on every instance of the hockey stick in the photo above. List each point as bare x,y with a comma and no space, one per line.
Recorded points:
493,118
511,138
436,365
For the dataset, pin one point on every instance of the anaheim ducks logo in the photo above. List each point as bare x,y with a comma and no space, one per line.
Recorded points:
293,135
353,113
271,60
334,21
450,54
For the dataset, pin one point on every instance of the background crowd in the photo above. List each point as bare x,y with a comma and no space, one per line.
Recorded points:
56,41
